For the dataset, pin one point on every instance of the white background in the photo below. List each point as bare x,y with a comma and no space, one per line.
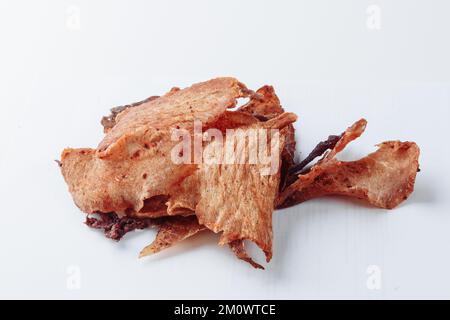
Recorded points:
58,77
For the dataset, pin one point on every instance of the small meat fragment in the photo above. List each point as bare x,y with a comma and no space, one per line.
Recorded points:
264,104
172,231
384,178
238,247
116,227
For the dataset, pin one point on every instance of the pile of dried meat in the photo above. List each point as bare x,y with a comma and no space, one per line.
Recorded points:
190,160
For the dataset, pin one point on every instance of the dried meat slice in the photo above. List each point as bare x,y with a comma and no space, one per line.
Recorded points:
172,231
141,170
384,178
205,102
249,214
185,196
108,122
353,132
264,104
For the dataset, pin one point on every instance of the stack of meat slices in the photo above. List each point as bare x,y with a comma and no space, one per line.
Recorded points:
131,181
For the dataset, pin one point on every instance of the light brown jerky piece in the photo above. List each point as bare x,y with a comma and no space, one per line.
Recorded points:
238,199
352,133
204,101
108,122
141,169
384,178
264,104
172,231
185,196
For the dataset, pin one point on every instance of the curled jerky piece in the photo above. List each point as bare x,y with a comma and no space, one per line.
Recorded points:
172,231
204,101
264,104
384,178
238,247
352,133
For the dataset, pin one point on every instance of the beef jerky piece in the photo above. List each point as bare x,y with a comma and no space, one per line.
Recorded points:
185,196
294,170
110,121
318,151
264,104
176,229
208,191
232,120
384,178
249,214
116,227
172,231
353,132
287,155
142,169
204,101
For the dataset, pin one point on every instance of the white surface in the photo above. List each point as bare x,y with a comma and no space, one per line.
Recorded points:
56,82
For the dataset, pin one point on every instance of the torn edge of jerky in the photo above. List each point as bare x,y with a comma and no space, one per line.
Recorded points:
110,121
318,151
115,227
238,247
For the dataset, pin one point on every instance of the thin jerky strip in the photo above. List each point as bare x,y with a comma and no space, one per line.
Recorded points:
172,231
318,151
352,133
384,178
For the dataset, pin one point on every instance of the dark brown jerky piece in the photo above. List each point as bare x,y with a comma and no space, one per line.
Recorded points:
116,227
318,151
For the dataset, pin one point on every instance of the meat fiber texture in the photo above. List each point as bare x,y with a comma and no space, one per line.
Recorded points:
130,180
